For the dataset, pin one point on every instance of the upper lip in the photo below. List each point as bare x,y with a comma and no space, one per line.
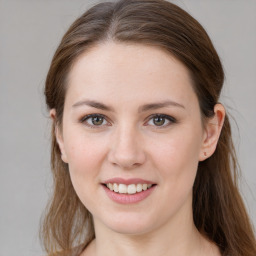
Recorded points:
128,181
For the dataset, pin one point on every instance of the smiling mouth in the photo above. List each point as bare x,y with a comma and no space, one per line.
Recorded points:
128,189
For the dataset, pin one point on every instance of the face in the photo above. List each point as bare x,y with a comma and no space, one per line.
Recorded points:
131,117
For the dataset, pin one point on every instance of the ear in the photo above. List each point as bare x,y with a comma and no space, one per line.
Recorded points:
58,135
212,132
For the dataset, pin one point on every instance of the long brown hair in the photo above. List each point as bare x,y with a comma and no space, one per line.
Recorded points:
218,210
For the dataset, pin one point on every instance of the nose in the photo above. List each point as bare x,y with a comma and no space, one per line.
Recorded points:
126,150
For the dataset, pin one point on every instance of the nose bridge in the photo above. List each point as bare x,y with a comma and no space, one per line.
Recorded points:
127,147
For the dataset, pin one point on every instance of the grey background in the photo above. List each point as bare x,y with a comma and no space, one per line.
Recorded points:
30,31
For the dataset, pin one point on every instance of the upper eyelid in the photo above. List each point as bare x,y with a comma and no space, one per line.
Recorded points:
161,115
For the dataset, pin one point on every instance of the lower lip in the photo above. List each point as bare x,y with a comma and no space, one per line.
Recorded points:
128,198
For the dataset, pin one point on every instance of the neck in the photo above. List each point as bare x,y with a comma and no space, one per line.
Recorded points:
151,244
177,237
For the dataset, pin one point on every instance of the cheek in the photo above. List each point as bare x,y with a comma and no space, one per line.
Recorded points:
85,156
177,162
177,156
84,151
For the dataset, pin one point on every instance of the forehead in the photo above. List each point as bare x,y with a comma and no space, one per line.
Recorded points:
127,71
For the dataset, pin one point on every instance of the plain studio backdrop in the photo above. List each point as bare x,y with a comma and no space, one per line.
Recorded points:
30,31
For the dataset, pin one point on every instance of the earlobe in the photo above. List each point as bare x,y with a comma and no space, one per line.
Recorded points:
58,136
213,129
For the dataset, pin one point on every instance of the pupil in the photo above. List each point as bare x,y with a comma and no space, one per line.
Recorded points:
159,121
97,120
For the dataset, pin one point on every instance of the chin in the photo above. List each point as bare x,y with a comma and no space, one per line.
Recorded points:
131,229
130,224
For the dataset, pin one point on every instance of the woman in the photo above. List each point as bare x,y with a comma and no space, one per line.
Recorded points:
142,155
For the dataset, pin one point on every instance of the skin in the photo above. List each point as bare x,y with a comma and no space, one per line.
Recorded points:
131,144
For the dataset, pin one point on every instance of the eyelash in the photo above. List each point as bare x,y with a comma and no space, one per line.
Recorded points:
171,120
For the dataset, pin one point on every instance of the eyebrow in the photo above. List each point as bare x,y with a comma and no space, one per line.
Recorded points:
94,104
144,108
157,105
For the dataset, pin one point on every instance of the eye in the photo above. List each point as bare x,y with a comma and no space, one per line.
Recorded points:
161,120
94,120
98,120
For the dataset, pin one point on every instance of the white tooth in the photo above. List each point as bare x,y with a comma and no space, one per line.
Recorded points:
115,187
122,188
107,185
149,185
144,186
139,187
131,189
110,186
